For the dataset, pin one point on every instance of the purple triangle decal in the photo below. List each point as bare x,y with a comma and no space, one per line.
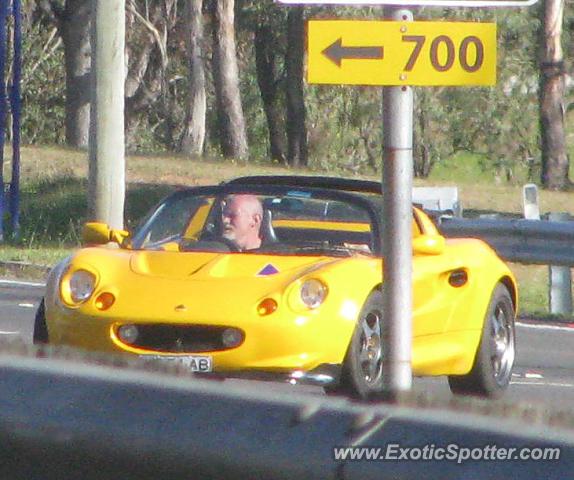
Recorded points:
267,270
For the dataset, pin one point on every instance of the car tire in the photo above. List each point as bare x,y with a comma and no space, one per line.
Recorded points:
40,334
492,369
362,372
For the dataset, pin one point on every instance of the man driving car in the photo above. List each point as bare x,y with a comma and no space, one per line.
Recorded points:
241,216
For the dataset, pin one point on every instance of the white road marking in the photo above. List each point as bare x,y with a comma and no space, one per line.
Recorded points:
533,375
538,326
545,384
4,281
4,332
26,305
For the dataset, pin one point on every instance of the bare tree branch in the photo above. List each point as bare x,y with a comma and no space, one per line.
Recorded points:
49,48
160,39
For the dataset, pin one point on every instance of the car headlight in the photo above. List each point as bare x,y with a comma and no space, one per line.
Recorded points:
82,284
313,293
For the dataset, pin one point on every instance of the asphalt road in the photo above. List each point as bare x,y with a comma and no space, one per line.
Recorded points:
544,372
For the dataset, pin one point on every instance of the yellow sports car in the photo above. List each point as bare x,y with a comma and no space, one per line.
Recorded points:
280,277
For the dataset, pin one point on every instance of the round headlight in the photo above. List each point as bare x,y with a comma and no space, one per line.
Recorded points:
313,293
82,284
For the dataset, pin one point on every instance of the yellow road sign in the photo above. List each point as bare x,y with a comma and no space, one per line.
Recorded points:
370,52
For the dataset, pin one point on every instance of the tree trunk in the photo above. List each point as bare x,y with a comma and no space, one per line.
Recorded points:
147,96
422,160
232,132
193,136
296,129
143,86
75,32
265,56
555,161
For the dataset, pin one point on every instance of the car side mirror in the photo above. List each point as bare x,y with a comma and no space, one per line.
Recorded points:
97,233
428,245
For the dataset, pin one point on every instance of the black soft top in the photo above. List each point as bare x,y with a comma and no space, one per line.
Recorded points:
330,183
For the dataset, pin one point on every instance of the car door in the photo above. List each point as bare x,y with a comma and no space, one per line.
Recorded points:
438,279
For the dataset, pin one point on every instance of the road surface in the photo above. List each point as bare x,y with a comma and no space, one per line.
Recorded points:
544,371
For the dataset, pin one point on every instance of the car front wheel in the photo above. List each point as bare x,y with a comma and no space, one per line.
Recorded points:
492,370
362,371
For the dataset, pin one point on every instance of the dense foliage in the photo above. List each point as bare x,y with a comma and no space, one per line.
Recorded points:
343,123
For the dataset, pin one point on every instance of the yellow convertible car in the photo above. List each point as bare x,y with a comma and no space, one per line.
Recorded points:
279,277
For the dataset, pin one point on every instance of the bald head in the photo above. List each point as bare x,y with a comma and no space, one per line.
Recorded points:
242,215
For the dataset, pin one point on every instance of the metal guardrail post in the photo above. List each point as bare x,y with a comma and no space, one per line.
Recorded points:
559,280
530,202
559,277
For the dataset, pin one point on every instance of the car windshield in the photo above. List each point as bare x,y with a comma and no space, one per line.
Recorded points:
292,222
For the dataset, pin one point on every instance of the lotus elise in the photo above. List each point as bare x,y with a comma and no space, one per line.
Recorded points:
305,306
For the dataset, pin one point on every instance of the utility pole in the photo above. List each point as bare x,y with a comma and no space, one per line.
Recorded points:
106,178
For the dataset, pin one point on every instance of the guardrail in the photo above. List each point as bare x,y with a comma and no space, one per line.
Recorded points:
521,241
62,418
530,242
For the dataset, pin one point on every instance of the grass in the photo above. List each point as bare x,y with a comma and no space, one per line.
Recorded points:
54,205
533,289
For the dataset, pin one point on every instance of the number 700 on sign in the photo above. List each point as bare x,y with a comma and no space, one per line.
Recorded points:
367,52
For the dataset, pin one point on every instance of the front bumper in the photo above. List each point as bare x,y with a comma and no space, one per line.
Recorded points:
278,343
324,375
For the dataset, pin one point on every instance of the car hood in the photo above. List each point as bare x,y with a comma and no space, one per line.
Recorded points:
197,265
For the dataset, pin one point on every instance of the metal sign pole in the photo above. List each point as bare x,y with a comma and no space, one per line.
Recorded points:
397,233
16,111
3,108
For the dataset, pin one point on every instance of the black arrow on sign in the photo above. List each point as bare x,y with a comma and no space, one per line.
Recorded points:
336,52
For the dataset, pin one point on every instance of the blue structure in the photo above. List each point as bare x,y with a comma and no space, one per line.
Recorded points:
10,104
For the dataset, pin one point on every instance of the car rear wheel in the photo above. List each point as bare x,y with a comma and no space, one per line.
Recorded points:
363,367
492,370
40,334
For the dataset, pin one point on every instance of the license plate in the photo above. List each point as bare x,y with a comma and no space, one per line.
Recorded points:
196,363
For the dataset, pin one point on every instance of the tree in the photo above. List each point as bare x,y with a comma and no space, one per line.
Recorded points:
261,28
555,163
193,136
147,98
268,80
73,22
231,122
75,27
296,128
